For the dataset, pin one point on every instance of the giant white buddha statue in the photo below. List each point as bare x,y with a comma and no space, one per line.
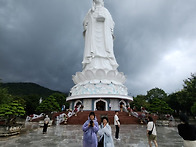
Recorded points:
99,83
99,74
98,33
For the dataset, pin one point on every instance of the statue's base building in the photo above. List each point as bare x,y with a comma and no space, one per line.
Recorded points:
99,90
99,102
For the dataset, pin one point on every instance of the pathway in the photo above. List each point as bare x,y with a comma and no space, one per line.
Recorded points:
71,136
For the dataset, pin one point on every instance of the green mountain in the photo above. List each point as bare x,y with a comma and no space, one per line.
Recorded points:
23,89
29,95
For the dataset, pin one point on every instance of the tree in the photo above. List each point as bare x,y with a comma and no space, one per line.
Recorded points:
193,109
31,102
189,89
61,99
160,106
10,107
190,84
11,111
174,102
5,97
48,105
138,101
156,93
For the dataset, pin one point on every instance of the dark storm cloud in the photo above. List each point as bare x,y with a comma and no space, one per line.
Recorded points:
148,32
41,41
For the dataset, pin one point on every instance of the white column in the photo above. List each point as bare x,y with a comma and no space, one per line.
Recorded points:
87,104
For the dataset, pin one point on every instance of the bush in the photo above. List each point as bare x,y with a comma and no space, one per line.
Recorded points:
193,109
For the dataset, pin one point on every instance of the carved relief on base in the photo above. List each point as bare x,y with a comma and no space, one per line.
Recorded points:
98,88
99,75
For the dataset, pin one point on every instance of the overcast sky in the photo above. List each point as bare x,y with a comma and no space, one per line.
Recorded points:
155,42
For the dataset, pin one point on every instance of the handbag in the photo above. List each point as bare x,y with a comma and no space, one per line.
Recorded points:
150,132
101,142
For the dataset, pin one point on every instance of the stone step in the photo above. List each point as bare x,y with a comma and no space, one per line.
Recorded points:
83,116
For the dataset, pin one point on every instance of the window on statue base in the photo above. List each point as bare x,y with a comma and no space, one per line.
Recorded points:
100,105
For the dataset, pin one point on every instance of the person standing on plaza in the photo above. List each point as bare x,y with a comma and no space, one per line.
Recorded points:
151,132
187,131
105,134
90,129
46,122
117,125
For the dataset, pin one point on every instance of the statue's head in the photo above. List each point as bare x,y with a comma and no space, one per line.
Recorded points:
99,2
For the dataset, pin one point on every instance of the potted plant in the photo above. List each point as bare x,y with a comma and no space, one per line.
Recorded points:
10,112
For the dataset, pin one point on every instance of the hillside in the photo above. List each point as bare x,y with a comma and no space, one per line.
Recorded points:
21,89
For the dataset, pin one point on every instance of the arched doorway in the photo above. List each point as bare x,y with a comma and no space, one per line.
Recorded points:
122,102
77,103
100,105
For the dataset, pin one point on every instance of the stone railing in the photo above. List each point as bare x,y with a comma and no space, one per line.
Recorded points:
162,122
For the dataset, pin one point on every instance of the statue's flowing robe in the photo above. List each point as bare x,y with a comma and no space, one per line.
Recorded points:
98,52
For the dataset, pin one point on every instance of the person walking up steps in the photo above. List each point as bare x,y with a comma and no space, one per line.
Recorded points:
117,125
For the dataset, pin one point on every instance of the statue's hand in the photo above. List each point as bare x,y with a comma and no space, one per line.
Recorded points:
100,19
84,32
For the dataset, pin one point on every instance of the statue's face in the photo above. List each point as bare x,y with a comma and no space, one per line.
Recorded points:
98,1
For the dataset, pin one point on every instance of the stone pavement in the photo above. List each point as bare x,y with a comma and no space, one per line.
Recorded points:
71,136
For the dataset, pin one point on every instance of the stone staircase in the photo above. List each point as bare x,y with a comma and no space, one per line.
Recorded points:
83,116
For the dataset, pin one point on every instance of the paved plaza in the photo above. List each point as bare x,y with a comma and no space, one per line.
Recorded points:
71,136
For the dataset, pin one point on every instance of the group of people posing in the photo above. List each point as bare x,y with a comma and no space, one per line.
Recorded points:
91,130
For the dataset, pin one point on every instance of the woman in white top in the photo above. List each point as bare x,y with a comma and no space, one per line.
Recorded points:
151,132
105,134
117,125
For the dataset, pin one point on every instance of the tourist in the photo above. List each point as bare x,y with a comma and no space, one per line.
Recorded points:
105,134
46,122
135,114
90,129
146,118
69,113
117,125
134,108
172,122
121,107
63,108
151,132
187,131
110,106
142,117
